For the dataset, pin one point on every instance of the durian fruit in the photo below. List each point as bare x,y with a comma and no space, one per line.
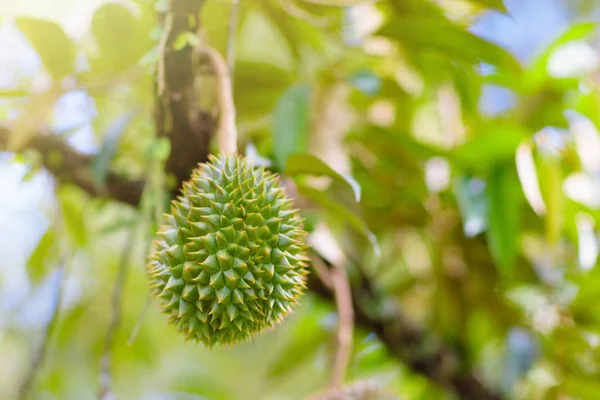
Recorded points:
361,390
229,259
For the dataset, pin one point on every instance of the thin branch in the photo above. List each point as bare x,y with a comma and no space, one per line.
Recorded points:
74,167
232,34
117,296
162,49
227,130
336,280
139,322
322,270
40,355
343,299
158,209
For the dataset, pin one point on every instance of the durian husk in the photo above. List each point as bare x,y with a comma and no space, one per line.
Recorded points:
229,259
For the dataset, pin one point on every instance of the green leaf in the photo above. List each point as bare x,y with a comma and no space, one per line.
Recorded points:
186,38
418,8
504,199
40,258
51,43
161,149
341,212
121,37
305,341
538,71
280,27
495,4
212,15
494,144
117,225
581,387
258,86
551,177
394,140
291,123
588,104
72,206
307,164
298,353
432,34
101,162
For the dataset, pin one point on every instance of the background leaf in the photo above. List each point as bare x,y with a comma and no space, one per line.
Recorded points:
300,164
42,258
51,43
291,123
504,216
258,86
493,144
72,207
437,36
538,71
495,4
341,212
101,163
121,38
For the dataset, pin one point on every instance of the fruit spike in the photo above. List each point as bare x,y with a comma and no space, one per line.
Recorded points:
228,262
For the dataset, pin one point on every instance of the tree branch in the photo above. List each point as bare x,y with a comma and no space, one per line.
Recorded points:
177,114
68,165
105,392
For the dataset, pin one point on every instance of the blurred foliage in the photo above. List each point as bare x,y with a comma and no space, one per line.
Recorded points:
479,228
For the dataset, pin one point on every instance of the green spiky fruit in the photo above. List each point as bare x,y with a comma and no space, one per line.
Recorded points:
362,390
229,260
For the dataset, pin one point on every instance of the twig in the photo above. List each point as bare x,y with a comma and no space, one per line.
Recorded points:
231,39
139,322
158,208
343,300
39,357
227,130
336,279
322,270
162,48
117,296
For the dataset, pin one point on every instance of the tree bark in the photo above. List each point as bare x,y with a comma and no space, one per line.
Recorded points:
177,115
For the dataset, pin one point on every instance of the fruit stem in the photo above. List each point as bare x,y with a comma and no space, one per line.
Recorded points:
226,131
